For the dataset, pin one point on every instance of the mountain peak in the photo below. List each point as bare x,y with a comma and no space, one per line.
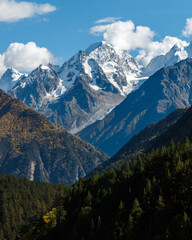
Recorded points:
11,70
93,46
9,79
179,46
104,45
48,67
178,52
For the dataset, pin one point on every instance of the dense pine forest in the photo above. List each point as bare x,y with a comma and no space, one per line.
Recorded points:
23,202
149,199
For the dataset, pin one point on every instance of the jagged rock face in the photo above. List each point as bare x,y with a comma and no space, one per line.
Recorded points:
9,79
32,147
86,88
81,105
38,88
118,65
168,89
103,61
81,65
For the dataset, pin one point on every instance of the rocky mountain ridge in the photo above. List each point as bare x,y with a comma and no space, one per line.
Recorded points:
104,73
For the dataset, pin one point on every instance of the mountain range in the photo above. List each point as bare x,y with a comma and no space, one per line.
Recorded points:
84,89
87,88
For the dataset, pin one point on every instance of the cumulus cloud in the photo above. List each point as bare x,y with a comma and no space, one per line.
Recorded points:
126,35
12,11
188,28
24,57
107,20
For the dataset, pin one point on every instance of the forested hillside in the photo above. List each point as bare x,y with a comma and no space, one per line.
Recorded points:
153,136
23,202
149,199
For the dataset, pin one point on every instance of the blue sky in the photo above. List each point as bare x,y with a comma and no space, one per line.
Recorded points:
63,27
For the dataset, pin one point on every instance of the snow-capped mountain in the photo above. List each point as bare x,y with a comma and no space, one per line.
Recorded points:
9,79
177,53
119,67
38,88
87,86
84,89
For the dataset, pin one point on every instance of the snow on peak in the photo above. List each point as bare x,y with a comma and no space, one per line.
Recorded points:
103,63
177,53
93,46
9,79
179,46
117,64
71,69
44,67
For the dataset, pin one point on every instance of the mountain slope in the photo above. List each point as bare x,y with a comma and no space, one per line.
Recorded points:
165,91
32,147
176,126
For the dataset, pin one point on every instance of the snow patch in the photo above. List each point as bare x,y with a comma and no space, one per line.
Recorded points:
87,68
133,84
45,67
94,86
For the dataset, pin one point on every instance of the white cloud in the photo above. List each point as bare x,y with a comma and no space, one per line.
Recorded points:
107,20
126,36
188,28
12,11
98,30
24,57
2,65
